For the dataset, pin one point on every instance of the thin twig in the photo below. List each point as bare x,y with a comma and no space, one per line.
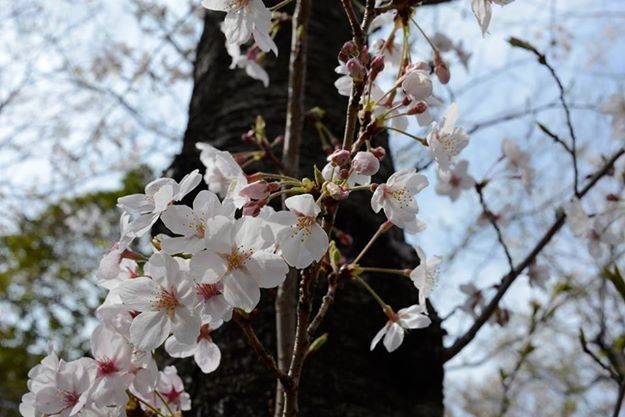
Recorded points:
493,221
265,357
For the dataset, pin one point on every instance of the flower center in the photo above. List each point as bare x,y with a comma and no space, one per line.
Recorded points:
106,366
172,395
205,332
70,399
454,181
237,4
237,258
207,291
200,230
166,300
401,196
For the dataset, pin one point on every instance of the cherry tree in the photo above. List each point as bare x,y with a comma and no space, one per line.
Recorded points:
283,226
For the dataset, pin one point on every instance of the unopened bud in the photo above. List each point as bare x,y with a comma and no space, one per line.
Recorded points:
379,152
256,190
339,157
348,50
337,192
417,107
377,66
249,137
355,69
441,69
365,163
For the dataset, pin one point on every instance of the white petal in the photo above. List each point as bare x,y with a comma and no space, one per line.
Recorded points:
267,268
241,290
149,330
304,204
180,220
378,336
177,349
207,356
137,293
394,337
185,325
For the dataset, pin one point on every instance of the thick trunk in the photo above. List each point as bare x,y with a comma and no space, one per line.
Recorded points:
344,378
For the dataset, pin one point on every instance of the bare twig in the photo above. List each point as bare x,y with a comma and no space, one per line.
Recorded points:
493,221
265,357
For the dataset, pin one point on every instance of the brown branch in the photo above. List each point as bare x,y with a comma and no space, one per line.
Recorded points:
507,280
265,357
286,302
493,221
326,303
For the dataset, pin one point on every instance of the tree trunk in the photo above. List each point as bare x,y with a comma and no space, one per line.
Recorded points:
343,378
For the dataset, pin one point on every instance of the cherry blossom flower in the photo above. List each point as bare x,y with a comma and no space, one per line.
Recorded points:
247,62
302,241
212,304
538,274
594,230
190,223
171,390
204,351
68,394
615,107
165,301
159,194
344,83
455,180
39,377
412,317
425,276
365,163
447,141
518,161
240,253
396,197
223,175
244,19
112,354
482,9
417,82
475,299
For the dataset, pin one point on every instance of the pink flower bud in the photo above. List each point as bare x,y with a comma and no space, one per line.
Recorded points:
347,51
418,84
365,163
255,191
253,208
339,157
355,69
377,66
379,152
441,69
417,107
337,192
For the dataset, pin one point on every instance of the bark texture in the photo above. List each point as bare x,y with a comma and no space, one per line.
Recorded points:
344,378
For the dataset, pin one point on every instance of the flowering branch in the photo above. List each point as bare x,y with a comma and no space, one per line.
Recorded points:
507,280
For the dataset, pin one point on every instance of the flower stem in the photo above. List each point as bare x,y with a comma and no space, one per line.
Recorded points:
401,272
383,228
374,294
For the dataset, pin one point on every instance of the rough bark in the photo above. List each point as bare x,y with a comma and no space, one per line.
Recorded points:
344,378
